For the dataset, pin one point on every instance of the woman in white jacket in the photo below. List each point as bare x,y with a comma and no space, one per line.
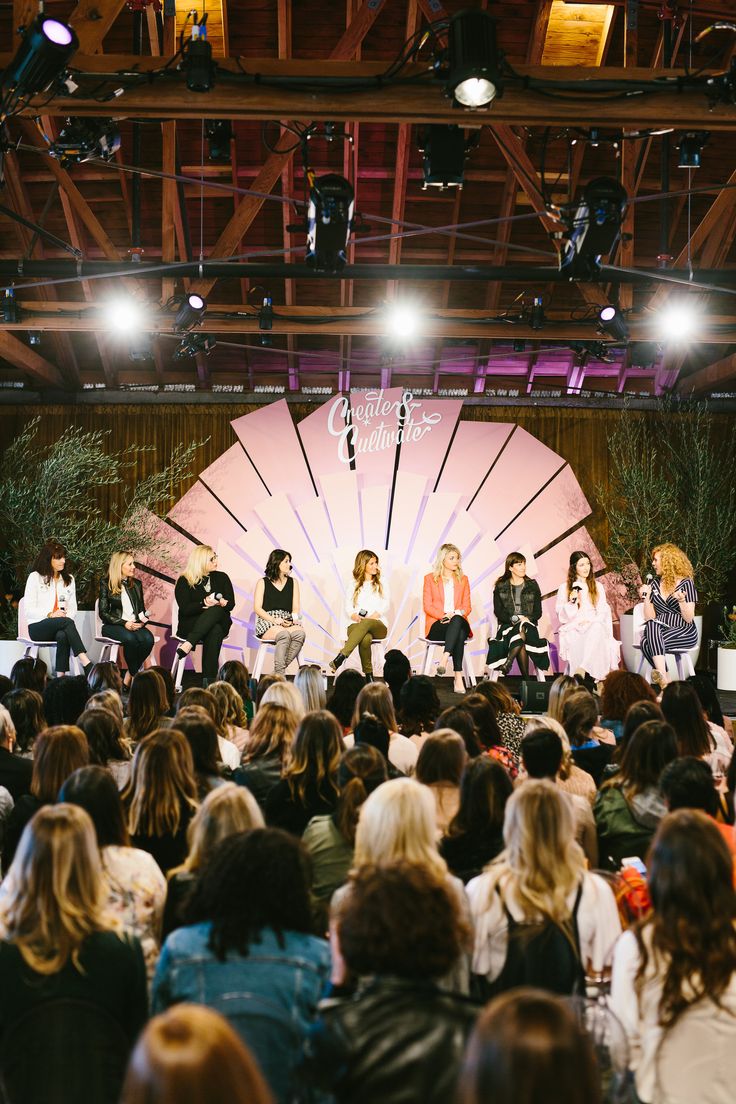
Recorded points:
365,613
586,628
50,603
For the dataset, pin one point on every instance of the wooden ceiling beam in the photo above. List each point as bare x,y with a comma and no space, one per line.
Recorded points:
287,189
92,19
708,377
28,360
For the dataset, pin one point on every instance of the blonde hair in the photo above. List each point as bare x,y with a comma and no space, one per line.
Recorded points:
444,550
161,783
558,691
310,684
198,564
115,570
230,708
542,862
286,694
7,728
547,721
675,564
54,895
274,727
108,700
362,560
375,700
226,810
398,821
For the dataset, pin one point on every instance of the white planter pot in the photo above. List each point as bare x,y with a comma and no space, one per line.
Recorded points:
632,656
10,651
726,679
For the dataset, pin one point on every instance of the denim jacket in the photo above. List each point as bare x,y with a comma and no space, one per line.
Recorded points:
269,996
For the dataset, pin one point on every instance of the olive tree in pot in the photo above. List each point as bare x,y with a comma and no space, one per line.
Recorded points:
670,479
726,679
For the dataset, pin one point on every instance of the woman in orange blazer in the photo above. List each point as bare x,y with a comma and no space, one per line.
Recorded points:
446,600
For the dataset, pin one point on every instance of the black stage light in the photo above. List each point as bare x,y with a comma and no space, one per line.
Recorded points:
537,318
444,152
10,307
190,313
219,136
473,75
194,344
198,65
595,227
140,348
642,354
34,337
86,140
691,149
41,57
611,321
329,222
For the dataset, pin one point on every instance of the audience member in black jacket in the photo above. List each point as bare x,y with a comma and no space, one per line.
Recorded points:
205,600
475,835
15,773
309,785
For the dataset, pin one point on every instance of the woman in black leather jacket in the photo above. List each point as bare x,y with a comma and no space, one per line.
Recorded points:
517,607
123,614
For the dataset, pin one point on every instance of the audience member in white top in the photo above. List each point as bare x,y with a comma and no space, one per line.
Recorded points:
674,975
50,603
375,700
366,612
586,627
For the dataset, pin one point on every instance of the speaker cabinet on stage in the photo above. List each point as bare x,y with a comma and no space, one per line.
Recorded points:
534,696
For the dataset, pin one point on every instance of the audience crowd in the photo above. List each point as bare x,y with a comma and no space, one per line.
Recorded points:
275,895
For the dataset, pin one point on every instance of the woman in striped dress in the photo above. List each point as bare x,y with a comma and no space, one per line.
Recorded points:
669,609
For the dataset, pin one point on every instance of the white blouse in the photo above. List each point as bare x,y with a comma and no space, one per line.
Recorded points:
367,599
40,597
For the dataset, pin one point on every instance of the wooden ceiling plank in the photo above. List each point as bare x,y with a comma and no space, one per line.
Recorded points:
709,376
22,356
169,204
92,19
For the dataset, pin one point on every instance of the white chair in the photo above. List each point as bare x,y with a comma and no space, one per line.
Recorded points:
180,662
32,646
429,650
378,653
683,660
110,648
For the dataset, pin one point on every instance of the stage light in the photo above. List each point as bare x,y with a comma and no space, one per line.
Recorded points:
34,338
642,354
124,315
140,348
329,222
595,227
197,60
219,136
10,307
194,344
473,74
677,323
86,140
190,313
691,148
444,151
611,321
403,320
41,57
537,318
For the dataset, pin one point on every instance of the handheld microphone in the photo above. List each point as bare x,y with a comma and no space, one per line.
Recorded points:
577,585
218,597
649,578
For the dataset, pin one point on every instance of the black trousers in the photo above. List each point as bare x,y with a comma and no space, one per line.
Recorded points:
453,634
137,643
209,629
64,632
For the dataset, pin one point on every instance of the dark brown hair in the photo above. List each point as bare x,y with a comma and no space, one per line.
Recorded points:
652,746
483,714
442,758
104,736
620,690
579,715
681,707
42,564
362,770
315,756
146,705
236,674
57,752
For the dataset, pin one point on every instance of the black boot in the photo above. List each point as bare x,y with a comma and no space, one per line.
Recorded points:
337,662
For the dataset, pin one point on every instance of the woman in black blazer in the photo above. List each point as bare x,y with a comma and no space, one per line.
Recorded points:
205,599
517,605
123,612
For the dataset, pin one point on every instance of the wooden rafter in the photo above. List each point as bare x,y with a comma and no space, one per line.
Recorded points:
287,189
709,376
92,20
28,360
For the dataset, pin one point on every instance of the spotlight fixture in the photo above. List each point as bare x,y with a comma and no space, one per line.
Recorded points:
473,74
190,313
403,320
86,140
124,315
595,227
11,310
642,354
219,136
611,321
265,314
536,318
42,56
197,57
329,222
677,323
444,150
691,148
194,344
140,348
34,337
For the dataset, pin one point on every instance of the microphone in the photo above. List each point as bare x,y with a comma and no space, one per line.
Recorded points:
144,616
218,597
577,585
649,578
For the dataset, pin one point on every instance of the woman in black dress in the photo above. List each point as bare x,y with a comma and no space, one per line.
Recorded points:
205,599
276,604
517,605
123,614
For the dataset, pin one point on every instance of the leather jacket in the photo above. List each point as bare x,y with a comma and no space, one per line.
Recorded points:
503,601
394,1040
111,605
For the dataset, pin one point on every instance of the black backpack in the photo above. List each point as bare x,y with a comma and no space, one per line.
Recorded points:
543,955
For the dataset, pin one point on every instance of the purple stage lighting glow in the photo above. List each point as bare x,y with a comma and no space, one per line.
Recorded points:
56,32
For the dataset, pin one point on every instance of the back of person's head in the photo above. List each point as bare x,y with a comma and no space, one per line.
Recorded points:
579,715
26,709
315,756
286,694
362,770
486,725
485,788
681,707
396,670
29,673
225,810
693,920
345,690
370,731
64,699
460,720
272,732
543,720
147,703
688,783
541,753
558,691
191,1054
637,714
311,685
230,708
107,699
398,821
58,751
400,920
442,758
198,696
7,729
528,1047
104,734
236,675
419,705
264,683
253,880
652,746
5,686
375,700
161,783
498,697
104,676
704,687
621,689
95,791
168,680
53,893
201,735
